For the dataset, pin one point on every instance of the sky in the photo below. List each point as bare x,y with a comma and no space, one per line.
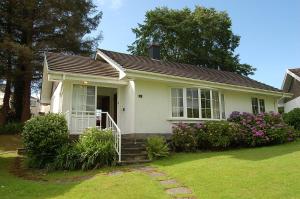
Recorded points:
269,30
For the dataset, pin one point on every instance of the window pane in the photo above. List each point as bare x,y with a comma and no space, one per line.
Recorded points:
177,102
223,106
254,105
205,103
83,98
192,103
262,105
216,105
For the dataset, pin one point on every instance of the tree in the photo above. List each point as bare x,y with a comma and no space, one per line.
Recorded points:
38,26
201,37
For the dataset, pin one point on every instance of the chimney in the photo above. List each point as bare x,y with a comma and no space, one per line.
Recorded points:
154,51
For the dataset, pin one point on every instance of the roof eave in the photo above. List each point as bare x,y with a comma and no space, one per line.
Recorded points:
170,78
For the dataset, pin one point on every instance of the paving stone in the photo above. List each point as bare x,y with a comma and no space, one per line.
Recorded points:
169,182
156,174
147,169
178,190
115,173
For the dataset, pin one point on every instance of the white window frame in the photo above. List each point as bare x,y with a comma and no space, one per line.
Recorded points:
258,104
171,105
185,117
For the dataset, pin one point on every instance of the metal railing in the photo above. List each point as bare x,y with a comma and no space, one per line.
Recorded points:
110,124
78,121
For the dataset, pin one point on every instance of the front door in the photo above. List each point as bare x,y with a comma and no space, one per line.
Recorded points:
103,103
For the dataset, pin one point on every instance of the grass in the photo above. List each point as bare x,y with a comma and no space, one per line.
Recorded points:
100,185
10,142
268,172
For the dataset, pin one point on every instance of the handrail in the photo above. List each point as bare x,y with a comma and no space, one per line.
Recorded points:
110,123
75,118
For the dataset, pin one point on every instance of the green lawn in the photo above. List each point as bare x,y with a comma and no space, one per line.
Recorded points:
269,172
126,186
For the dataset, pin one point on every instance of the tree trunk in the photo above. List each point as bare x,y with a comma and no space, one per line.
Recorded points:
26,114
18,96
6,102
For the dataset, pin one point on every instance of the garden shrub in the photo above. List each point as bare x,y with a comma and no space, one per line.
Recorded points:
292,118
263,129
184,138
217,134
43,136
157,147
11,128
94,149
68,158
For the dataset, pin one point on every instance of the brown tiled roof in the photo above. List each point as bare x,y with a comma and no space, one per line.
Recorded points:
296,71
79,64
147,64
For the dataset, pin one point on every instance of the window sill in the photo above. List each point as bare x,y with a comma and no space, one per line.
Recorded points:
173,120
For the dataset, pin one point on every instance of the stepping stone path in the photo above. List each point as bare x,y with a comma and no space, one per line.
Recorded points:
177,191
115,173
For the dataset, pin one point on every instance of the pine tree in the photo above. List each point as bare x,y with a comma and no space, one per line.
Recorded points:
43,25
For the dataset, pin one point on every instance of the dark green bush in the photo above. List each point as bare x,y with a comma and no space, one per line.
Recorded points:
11,128
157,147
43,136
68,158
94,149
97,148
184,138
217,134
292,118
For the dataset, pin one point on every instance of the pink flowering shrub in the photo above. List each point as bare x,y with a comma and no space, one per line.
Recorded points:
205,135
241,129
217,134
263,128
184,137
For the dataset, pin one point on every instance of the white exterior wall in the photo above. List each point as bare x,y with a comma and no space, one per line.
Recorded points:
56,99
145,106
126,108
153,109
290,105
241,101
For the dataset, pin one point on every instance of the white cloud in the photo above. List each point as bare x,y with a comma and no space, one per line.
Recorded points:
112,4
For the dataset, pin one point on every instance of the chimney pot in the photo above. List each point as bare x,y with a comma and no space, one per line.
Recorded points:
154,51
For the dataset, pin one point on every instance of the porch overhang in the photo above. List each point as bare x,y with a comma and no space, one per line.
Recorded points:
59,76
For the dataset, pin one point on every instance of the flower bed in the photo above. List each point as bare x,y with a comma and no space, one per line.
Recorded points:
241,130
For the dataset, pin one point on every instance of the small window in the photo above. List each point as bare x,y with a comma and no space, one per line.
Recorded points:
254,105
177,102
223,106
262,105
205,103
216,104
258,105
192,100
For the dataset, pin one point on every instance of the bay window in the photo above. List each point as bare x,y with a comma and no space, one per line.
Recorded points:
216,104
192,101
205,103
197,103
177,102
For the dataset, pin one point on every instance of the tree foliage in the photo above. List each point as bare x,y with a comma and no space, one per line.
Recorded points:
201,37
28,28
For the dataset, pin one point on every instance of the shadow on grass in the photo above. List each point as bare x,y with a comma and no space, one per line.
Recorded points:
252,154
10,142
36,183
